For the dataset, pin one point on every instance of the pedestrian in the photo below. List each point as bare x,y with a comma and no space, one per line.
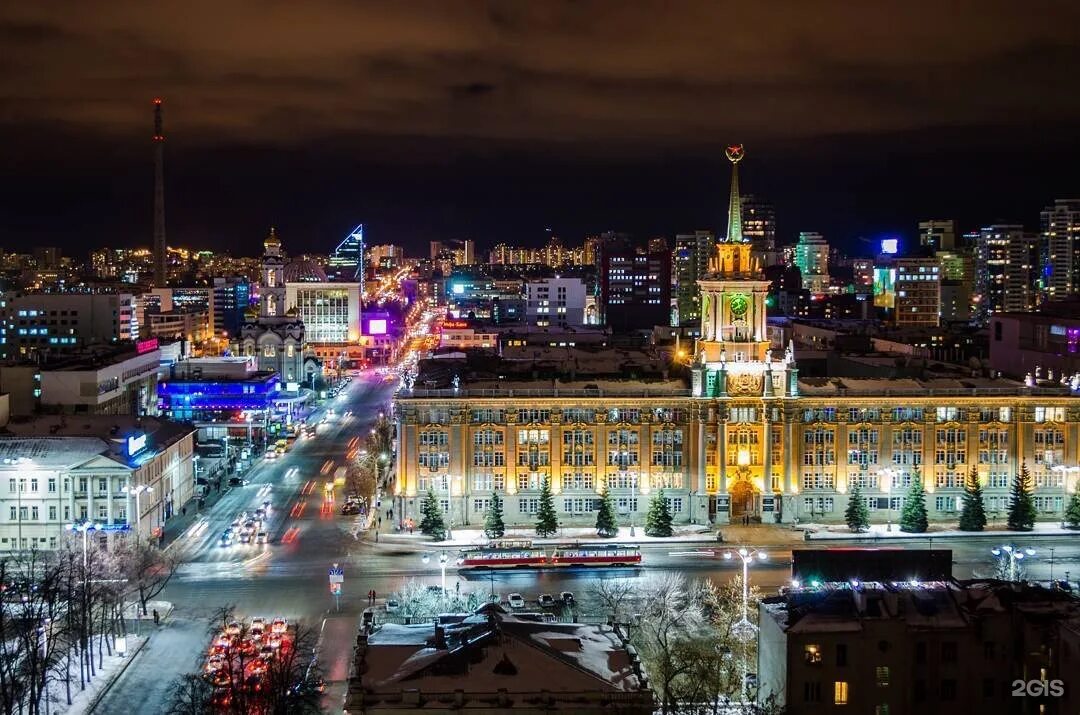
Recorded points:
376,537
184,511
373,597
380,522
157,618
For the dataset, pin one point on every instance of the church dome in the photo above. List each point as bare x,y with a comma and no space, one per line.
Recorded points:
304,270
272,241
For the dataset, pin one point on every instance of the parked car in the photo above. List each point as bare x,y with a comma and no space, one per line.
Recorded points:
567,598
516,600
280,625
258,626
393,605
546,600
237,482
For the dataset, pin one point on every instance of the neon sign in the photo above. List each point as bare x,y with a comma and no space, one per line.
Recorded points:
136,443
145,346
455,324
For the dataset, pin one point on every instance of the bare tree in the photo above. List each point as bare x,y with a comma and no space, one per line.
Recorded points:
190,694
147,568
419,601
615,595
668,635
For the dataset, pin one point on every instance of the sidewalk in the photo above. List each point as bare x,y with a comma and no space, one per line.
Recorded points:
687,534
879,532
84,701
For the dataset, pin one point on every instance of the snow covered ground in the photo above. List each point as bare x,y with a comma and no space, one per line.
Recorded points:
83,700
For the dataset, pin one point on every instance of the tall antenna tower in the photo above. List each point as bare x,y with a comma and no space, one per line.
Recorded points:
161,271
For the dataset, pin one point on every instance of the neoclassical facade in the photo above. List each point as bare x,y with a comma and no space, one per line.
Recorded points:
746,439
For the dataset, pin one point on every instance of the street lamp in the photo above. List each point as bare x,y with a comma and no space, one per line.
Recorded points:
443,559
86,527
137,492
744,629
1014,554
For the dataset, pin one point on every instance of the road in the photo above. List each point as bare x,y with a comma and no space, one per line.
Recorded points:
288,576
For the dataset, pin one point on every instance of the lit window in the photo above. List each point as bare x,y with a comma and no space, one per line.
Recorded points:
840,692
882,673
812,654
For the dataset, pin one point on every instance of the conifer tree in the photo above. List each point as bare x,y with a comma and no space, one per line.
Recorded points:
547,521
857,514
431,522
494,527
973,512
658,520
605,516
1072,511
1021,503
913,517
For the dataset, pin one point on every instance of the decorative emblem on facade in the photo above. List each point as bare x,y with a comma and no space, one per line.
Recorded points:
744,384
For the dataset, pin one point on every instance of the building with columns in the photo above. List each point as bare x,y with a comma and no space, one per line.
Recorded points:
60,470
742,437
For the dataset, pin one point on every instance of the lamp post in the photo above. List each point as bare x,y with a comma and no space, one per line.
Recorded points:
1015,555
443,559
744,629
86,527
136,492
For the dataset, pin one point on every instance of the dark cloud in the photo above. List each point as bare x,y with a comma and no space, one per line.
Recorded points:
546,86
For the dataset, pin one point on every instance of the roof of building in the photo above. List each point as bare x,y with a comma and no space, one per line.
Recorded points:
88,435
49,452
492,650
846,607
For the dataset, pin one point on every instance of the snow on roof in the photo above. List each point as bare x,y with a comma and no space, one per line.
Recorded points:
51,452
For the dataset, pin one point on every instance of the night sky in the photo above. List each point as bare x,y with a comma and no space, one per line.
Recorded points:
494,121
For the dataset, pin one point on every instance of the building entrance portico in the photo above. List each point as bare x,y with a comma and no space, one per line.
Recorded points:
745,501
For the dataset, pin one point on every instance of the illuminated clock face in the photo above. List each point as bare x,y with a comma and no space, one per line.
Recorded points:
739,304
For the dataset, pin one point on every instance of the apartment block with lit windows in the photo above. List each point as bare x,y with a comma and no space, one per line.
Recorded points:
906,647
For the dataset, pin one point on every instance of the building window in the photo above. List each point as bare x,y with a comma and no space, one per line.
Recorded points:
528,506
52,485
841,654
812,654
882,675
840,692
948,689
269,351
882,709
812,691
920,653
948,652
52,513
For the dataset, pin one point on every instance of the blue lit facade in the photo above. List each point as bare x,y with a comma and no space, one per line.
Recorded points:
212,399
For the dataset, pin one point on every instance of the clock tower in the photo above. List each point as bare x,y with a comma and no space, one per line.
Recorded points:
733,357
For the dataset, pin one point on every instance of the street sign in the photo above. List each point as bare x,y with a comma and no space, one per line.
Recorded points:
337,575
115,527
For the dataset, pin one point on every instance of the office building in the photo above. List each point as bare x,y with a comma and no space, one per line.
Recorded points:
330,312
34,323
347,261
812,259
224,391
635,287
759,227
918,647
1060,249
938,235
918,292
690,263
230,299
64,469
555,301
1005,259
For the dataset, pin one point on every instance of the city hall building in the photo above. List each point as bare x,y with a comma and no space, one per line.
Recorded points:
743,438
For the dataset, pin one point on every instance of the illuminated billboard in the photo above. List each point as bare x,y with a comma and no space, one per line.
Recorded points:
376,326
890,246
884,287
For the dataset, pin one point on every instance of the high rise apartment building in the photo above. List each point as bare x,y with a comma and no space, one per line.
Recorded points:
918,292
690,263
555,301
1005,259
812,258
1060,249
34,322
